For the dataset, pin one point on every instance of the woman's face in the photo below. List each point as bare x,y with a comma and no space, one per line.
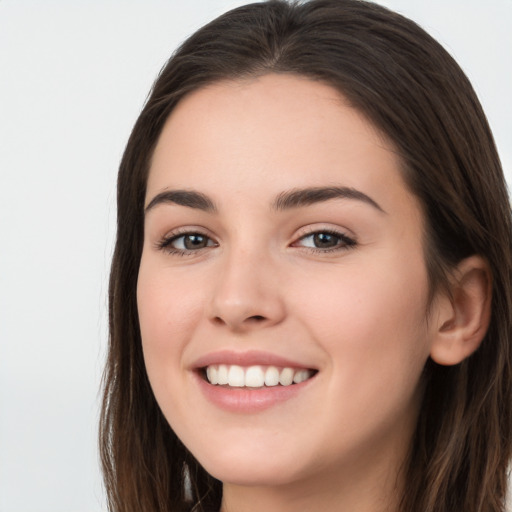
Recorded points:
281,242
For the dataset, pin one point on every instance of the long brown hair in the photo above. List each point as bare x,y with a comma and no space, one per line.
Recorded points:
413,91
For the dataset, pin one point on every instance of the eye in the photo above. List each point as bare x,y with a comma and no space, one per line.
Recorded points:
325,241
185,243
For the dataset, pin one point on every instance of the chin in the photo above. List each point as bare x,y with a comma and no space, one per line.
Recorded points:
260,470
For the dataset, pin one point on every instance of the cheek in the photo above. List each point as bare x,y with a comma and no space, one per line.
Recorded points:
372,321
374,332
168,312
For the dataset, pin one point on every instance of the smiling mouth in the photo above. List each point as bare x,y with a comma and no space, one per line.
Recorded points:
254,377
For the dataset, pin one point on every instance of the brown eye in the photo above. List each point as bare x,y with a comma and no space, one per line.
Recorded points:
187,242
194,241
325,240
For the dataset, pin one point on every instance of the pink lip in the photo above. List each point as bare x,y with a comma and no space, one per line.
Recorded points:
248,358
244,400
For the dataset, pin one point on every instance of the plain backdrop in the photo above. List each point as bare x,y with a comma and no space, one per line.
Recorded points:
73,78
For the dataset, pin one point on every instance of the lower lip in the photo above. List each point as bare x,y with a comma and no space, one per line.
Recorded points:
247,400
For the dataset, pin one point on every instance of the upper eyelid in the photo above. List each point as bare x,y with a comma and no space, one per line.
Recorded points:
311,229
188,230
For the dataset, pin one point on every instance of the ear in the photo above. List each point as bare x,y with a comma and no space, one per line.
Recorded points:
462,318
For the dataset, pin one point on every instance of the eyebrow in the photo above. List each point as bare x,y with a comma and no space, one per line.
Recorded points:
294,198
189,198
306,196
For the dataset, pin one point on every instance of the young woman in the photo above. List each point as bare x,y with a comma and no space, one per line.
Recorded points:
310,294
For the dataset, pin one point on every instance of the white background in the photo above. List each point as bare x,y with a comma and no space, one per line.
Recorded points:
73,77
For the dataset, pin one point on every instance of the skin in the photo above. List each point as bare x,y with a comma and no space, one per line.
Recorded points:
356,313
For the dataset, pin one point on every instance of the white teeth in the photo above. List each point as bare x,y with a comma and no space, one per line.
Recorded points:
236,376
255,376
212,375
272,376
222,375
286,377
300,376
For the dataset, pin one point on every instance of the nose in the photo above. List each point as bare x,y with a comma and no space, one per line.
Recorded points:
247,295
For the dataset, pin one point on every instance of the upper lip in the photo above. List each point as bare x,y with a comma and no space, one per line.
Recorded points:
247,358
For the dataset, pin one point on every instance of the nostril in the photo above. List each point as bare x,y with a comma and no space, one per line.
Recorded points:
256,318
239,322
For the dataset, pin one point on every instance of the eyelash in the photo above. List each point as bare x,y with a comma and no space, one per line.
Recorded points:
344,242
165,244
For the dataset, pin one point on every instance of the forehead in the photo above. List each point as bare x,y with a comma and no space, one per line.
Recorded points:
269,134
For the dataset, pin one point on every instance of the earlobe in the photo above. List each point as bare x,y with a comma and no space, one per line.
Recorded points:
462,319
